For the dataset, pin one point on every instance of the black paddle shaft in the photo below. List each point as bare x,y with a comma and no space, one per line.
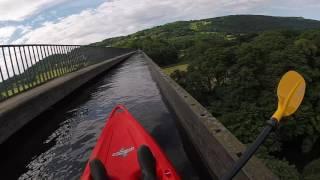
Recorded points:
271,124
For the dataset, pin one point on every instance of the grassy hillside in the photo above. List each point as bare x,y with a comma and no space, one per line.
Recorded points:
169,44
234,24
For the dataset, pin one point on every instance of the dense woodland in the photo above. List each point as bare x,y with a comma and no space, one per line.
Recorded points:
235,63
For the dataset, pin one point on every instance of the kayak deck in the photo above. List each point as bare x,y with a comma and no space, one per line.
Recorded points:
117,149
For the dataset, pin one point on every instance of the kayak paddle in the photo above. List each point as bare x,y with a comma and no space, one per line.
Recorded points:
290,93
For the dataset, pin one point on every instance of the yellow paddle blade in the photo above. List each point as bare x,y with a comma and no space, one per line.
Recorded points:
290,92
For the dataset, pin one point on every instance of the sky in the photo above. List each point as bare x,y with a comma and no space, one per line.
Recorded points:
88,21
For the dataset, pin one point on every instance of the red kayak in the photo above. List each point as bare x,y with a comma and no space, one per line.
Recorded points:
126,151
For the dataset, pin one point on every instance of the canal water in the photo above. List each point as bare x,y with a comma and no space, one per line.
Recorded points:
57,144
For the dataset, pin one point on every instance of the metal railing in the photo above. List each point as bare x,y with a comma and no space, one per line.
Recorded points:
23,67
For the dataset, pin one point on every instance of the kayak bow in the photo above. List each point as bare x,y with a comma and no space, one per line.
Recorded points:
126,151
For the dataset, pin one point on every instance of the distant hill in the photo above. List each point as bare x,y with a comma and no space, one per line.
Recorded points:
256,23
234,24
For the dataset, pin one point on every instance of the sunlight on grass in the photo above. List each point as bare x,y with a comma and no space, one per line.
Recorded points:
171,69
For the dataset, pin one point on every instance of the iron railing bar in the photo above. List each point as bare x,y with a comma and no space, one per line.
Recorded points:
62,60
76,57
76,60
81,57
19,76
4,83
73,59
57,60
28,67
45,64
67,58
6,68
48,60
30,84
38,64
14,72
4,86
24,69
45,61
33,66
44,73
54,57
53,61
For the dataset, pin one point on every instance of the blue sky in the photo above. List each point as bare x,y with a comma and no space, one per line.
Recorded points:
87,21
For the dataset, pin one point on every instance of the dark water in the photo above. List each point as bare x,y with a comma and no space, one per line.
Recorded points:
58,143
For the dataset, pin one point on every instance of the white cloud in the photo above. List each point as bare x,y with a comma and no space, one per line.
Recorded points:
16,10
24,29
303,6
6,33
122,17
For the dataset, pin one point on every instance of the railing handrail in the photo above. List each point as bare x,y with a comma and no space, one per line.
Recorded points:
17,45
25,66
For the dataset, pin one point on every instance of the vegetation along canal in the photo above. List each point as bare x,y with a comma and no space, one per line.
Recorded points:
58,143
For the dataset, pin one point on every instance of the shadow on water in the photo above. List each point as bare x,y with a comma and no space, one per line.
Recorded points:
57,144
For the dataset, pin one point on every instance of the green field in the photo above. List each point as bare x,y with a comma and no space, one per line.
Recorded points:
171,69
